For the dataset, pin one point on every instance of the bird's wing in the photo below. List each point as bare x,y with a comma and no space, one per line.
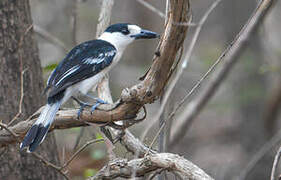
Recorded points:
82,62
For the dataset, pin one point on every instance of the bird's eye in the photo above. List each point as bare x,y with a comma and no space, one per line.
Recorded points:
125,31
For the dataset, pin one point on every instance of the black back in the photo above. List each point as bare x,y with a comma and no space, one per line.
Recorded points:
82,62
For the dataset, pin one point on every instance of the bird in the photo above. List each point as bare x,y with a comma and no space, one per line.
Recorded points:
81,69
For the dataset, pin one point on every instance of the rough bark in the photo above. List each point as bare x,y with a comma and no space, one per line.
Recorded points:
163,161
18,53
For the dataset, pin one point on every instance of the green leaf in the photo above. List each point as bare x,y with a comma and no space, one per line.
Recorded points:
99,136
50,67
90,172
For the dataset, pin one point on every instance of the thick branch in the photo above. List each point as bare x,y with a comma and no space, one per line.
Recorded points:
171,162
132,99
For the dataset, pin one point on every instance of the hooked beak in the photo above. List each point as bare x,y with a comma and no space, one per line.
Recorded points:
145,34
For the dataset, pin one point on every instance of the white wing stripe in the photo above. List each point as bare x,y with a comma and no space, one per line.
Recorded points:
68,72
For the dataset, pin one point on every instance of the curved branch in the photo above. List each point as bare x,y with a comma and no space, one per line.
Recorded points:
132,99
171,162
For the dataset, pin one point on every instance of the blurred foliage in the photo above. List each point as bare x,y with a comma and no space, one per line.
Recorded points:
50,67
99,136
90,172
265,68
98,154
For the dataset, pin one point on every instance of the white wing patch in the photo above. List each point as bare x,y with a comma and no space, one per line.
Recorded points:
68,72
98,59
94,60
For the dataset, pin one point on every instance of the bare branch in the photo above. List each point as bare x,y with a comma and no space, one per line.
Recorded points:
21,97
49,37
132,99
152,8
124,168
49,164
229,57
80,150
74,17
104,17
22,73
103,86
275,164
4,126
181,69
259,155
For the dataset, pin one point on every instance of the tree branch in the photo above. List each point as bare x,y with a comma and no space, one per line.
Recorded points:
275,164
132,99
49,37
230,56
171,162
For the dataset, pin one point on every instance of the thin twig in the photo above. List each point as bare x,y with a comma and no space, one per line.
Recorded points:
275,164
80,135
21,98
152,8
80,150
22,72
4,126
259,155
47,163
181,69
49,37
230,57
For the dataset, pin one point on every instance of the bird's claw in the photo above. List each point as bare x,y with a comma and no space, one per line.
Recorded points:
83,105
81,109
99,102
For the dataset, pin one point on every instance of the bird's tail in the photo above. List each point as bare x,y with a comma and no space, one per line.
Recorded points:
39,129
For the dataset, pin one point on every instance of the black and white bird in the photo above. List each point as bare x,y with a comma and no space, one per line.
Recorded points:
81,70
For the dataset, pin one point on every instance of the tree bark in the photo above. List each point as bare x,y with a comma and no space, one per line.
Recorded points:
18,54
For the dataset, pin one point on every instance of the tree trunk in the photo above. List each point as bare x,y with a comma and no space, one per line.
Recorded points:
18,52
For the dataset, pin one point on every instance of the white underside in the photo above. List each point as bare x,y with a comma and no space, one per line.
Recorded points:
87,84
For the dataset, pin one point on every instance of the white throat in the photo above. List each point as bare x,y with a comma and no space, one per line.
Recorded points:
118,40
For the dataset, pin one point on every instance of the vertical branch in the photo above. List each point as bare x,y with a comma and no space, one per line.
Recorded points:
181,67
74,21
103,86
163,134
104,21
104,18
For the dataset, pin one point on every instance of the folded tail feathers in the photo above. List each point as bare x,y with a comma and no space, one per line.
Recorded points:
37,133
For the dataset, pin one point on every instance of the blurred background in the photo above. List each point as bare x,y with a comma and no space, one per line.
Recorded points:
235,125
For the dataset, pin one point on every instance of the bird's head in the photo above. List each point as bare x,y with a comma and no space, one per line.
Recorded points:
121,35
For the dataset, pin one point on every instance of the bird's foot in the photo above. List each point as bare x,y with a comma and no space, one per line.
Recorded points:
98,102
82,106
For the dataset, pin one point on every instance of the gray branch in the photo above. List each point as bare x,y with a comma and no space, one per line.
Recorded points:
171,162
